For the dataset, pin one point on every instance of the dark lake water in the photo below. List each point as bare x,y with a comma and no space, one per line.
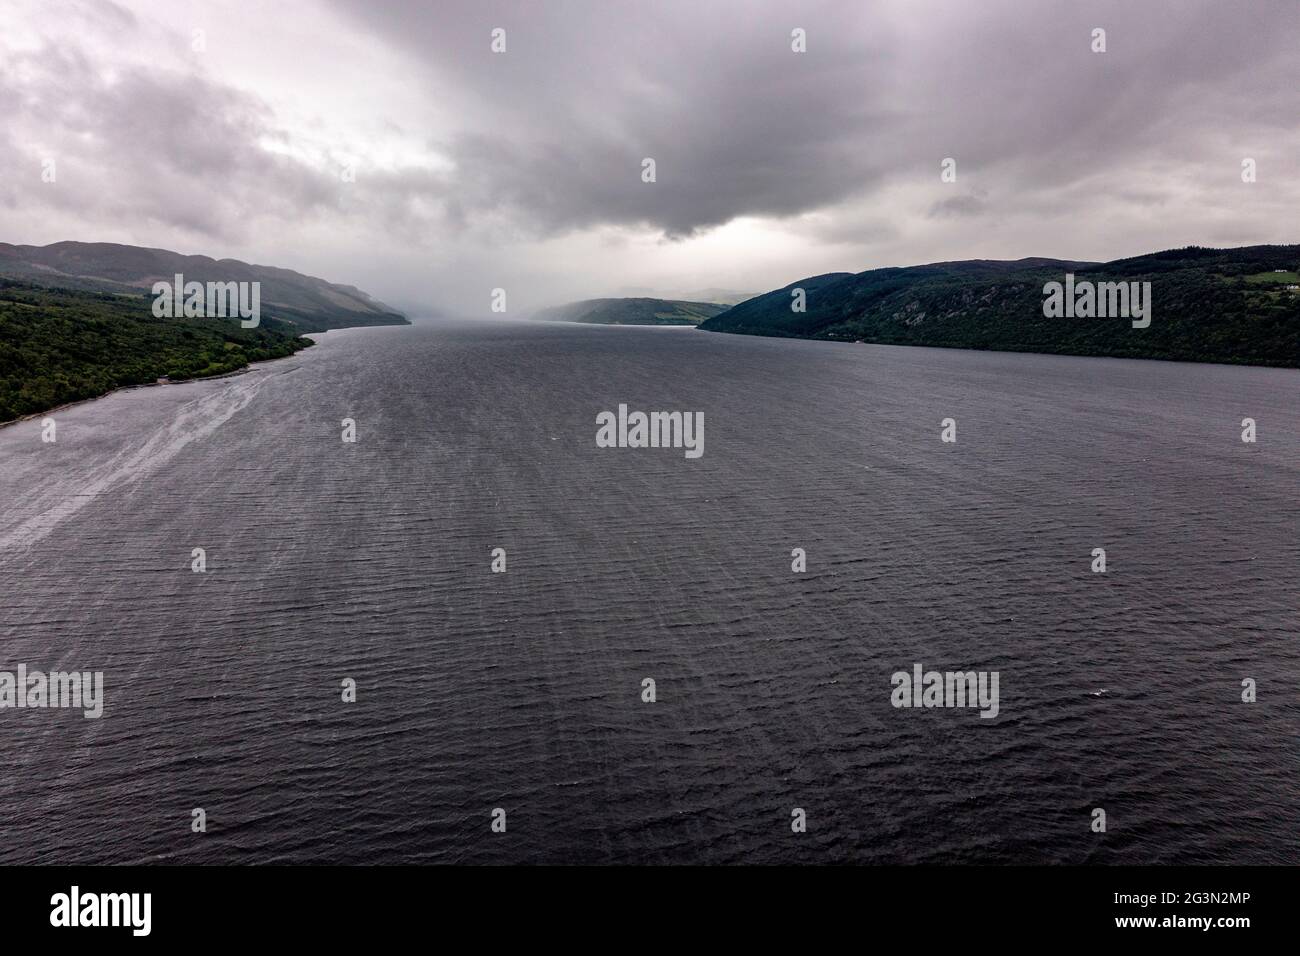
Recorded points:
522,690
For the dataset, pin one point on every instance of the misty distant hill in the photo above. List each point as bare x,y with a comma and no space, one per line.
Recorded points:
1208,305
727,297
632,312
306,303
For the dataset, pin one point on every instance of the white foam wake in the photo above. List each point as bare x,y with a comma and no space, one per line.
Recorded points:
193,421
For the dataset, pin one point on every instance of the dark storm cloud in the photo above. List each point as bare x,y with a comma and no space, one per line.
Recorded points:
740,125
736,123
957,207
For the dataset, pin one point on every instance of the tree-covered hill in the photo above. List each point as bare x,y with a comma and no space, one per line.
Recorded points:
59,346
1208,305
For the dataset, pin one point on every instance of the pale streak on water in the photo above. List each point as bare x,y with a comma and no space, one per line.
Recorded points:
522,690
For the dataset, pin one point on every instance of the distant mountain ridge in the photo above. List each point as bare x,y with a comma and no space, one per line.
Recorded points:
307,303
1208,305
632,311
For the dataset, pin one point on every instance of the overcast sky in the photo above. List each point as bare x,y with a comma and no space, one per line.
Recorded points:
523,169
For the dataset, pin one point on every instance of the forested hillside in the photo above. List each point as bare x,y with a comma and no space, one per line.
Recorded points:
59,346
1208,305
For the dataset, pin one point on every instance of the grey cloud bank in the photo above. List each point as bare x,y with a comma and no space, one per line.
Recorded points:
472,170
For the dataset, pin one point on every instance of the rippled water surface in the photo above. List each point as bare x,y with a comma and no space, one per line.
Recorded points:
523,690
